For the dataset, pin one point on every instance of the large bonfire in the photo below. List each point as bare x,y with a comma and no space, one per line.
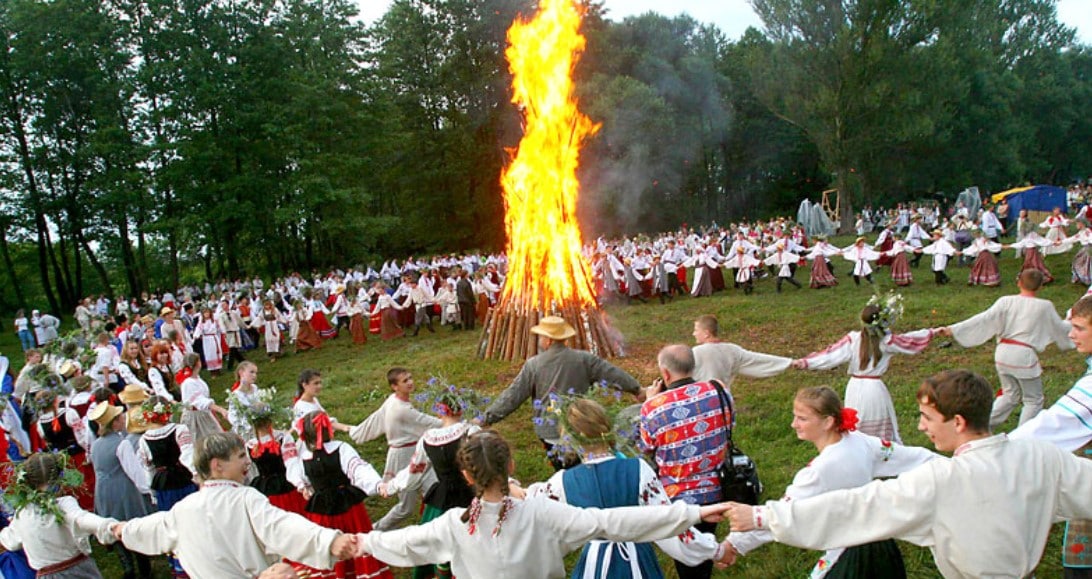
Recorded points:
547,273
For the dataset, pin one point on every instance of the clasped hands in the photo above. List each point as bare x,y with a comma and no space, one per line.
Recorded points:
740,518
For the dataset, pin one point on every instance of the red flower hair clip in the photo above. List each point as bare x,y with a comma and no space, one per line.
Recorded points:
849,420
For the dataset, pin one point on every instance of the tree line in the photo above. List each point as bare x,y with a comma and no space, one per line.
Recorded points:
146,144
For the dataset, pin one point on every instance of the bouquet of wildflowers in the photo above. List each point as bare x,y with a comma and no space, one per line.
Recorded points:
441,398
263,407
891,309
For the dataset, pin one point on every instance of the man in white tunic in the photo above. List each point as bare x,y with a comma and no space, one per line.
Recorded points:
228,529
1023,325
984,513
714,359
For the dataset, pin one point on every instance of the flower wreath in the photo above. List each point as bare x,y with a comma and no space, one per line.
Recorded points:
20,495
47,387
624,418
891,309
441,398
156,412
263,407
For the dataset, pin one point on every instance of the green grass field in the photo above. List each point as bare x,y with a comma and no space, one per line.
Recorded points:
793,323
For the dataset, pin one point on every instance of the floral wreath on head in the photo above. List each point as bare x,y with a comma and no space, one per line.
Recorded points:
19,495
156,412
891,309
625,420
441,398
263,407
46,389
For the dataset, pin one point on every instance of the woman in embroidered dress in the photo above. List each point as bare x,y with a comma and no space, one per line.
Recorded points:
1082,261
356,309
274,453
499,536
604,480
387,309
131,369
437,451
1033,259
269,321
336,483
821,274
867,354
984,269
52,529
160,376
166,451
308,387
243,394
1055,225
306,338
198,407
319,322
847,459
900,265
210,336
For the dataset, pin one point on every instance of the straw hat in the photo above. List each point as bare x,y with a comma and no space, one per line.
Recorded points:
136,423
166,310
104,414
133,394
67,369
554,327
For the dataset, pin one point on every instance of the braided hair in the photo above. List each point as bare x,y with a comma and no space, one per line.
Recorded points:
871,337
485,457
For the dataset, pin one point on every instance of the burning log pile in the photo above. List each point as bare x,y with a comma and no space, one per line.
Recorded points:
547,273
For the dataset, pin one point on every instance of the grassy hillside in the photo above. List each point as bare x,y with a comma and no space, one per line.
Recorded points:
793,323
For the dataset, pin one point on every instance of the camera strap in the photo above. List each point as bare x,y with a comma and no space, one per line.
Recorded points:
725,401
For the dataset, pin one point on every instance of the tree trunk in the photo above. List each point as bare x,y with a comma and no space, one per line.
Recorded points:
96,265
845,201
9,266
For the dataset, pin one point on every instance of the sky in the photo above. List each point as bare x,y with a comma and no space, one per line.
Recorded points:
734,16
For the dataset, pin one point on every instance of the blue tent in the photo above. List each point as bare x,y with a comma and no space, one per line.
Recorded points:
1034,198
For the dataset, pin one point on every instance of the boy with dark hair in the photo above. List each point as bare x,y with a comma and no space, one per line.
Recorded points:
402,425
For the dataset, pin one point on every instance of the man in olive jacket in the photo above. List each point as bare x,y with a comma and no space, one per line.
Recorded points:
557,369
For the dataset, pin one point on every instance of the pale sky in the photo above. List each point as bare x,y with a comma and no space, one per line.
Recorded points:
734,16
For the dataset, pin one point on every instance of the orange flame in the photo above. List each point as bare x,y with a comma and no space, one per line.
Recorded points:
545,265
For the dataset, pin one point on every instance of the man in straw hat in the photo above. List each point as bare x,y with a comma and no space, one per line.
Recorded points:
557,369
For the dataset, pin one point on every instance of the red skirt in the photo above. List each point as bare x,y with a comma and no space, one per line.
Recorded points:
1034,260
716,278
820,274
900,270
389,328
681,274
374,322
355,520
322,326
984,270
356,328
291,501
482,309
886,246
85,495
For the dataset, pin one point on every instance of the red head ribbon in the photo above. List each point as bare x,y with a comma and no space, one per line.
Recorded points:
323,428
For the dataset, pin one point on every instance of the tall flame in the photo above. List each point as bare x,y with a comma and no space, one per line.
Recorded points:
545,265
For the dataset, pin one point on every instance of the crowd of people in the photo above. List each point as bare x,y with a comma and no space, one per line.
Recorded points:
241,487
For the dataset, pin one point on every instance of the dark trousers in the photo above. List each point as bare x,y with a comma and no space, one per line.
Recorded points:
133,564
673,285
940,277
788,279
704,570
467,315
857,279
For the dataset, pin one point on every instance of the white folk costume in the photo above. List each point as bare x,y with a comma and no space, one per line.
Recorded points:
860,254
52,547
212,349
940,251
724,361
849,463
952,507
238,401
196,408
536,535
402,425
900,264
1023,326
984,269
1031,246
1055,226
1082,262
819,254
785,262
866,391
269,321
250,534
744,263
